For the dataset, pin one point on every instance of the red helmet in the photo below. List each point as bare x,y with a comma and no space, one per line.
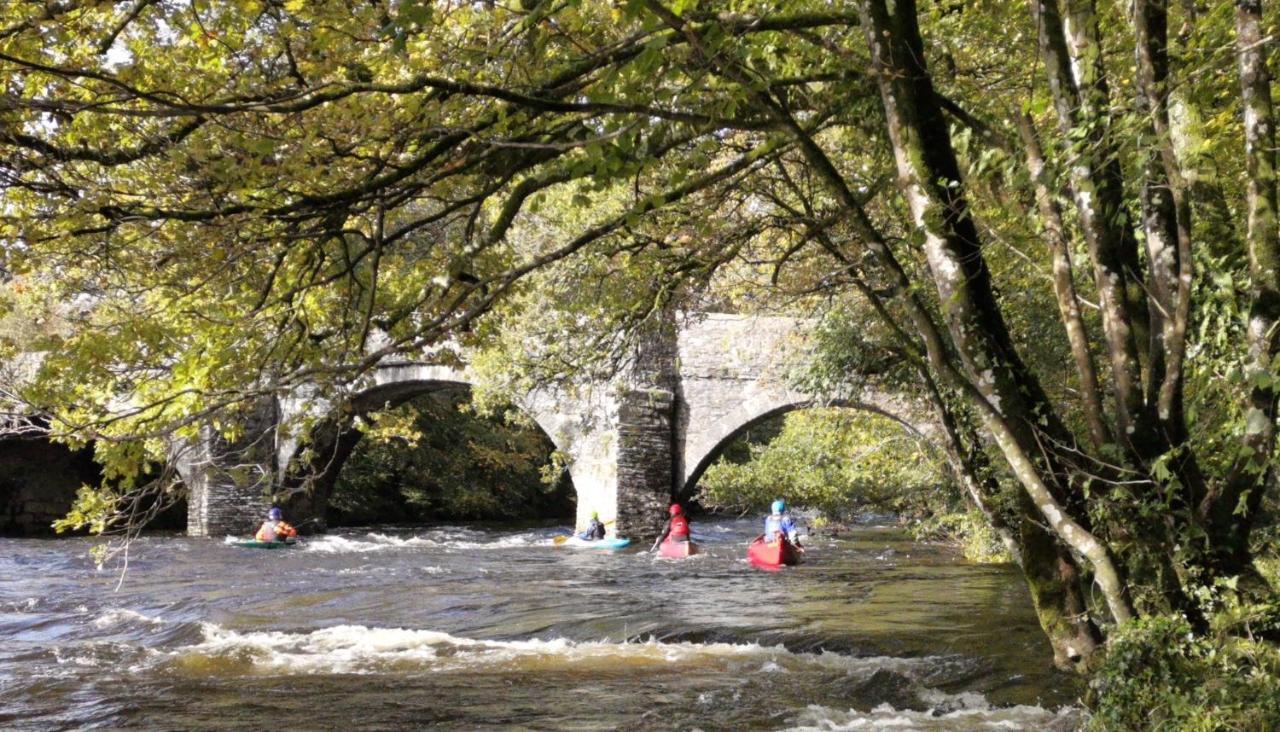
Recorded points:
674,510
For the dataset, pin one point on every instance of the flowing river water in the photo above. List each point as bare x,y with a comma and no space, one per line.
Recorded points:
469,627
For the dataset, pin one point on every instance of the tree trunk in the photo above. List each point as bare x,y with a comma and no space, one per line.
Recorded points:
1059,590
1166,217
1049,568
1229,525
1010,400
1078,87
1064,287
1144,335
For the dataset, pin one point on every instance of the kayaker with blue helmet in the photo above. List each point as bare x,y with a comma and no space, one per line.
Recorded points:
275,528
595,529
780,523
677,528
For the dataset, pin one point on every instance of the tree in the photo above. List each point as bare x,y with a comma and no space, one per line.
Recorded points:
264,194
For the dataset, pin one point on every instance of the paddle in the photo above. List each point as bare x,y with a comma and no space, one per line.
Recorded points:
656,542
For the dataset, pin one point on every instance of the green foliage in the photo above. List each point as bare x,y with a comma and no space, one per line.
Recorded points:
850,346
90,510
1159,675
433,459
227,202
967,529
836,461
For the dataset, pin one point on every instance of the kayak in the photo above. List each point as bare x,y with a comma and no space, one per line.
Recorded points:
597,544
772,555
677,549
255,544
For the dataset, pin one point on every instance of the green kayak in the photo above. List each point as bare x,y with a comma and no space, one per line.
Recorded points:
254,544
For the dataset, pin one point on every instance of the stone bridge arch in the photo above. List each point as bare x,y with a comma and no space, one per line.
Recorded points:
308,476
734,374
632,442
704,446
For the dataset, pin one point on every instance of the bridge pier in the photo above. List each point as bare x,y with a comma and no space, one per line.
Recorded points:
647,451
229,482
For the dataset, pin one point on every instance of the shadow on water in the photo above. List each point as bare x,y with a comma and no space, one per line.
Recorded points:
490,626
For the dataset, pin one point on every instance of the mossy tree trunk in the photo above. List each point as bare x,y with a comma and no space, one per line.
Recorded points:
1064,289
1078,87
1231,511
1007,396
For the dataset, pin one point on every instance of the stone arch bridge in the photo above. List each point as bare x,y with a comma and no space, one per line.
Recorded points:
632,443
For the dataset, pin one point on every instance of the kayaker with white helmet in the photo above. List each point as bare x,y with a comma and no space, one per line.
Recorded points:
780,523
275,528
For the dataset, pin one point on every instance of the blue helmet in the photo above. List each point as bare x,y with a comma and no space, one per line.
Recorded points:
779,506
275,514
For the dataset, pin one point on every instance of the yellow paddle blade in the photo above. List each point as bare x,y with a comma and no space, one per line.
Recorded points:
560,539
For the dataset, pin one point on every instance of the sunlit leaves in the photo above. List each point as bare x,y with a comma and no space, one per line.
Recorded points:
835,461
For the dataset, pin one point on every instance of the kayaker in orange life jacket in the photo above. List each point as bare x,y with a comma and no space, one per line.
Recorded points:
677,528
275,528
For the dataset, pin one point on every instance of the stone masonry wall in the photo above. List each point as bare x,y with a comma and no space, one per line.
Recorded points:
646,435
38,482
633,443
229,483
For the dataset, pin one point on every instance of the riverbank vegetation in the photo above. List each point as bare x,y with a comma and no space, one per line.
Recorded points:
842,464
1053,225
433,459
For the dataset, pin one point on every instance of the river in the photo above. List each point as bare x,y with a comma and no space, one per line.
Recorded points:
469,627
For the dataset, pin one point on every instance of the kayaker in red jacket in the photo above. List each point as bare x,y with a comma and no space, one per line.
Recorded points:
275,528
677,527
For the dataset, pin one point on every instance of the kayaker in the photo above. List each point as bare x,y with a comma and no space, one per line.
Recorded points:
275,528
780,523
677,527
594,530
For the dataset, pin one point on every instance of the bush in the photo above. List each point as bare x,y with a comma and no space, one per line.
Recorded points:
432,459
969,530
1158,675
838,462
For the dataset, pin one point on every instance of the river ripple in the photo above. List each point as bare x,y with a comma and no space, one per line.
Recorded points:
471,627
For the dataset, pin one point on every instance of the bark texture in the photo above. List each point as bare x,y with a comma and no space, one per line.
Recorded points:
1072,58
1064,288
1010,400
1230,525
1166,218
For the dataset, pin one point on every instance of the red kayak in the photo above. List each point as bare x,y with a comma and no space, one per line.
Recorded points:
677,549
773,554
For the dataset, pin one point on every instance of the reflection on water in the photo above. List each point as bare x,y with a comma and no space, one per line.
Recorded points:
472,627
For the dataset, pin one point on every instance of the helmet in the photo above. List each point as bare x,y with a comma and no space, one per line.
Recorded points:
674,510
595,514
779,506
275,514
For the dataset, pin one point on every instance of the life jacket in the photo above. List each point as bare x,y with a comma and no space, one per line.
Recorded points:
594,531
275,531
679,528
777,526
266,532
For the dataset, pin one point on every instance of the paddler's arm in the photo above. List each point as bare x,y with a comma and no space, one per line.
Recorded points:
665,530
